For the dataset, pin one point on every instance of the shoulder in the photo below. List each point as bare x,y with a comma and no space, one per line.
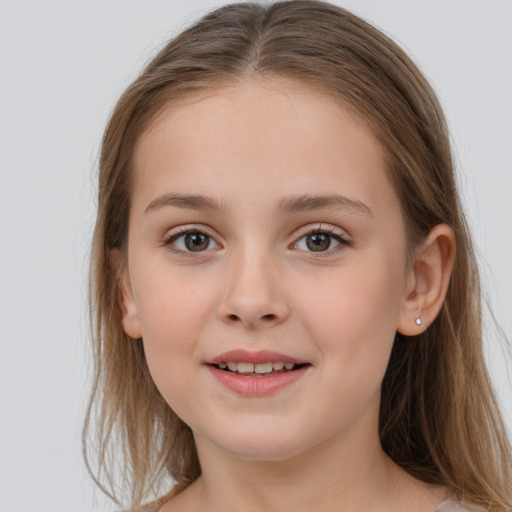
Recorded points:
153,506
453,505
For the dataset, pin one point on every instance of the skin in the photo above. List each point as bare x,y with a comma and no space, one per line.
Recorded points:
251,148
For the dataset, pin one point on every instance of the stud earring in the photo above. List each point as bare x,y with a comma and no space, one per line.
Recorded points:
418,321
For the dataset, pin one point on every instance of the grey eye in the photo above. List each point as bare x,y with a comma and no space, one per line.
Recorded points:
192,241
196,241
318,242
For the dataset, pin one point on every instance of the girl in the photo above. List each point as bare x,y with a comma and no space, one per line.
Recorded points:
283,287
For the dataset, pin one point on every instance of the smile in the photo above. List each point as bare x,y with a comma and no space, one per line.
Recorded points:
258,369
258,373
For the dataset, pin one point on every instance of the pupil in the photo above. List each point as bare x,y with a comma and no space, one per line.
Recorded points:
318,242
196,241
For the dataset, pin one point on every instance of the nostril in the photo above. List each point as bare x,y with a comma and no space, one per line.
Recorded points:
250,318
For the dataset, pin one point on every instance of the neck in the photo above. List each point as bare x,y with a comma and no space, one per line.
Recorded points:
334,476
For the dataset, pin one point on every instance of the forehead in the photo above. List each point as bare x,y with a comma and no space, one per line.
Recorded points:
253,145
276,125
251,148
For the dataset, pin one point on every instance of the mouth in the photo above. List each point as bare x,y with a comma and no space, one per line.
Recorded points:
256,370
260,373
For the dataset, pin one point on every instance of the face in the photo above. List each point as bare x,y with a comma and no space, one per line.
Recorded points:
266,268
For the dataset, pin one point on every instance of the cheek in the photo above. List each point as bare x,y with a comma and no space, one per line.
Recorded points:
356,301
353,319
354,333
173,312
168,302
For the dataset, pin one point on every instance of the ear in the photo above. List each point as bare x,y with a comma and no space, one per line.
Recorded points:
125,299
427,281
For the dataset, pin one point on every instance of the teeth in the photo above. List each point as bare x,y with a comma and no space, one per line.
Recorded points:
256,367
246,367
263,368
233,366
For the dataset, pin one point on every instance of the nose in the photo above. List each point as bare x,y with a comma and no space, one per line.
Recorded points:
253,295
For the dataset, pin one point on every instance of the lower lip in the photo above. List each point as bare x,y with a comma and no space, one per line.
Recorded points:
256,386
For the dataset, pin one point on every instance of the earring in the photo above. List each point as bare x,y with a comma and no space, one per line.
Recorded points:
418,321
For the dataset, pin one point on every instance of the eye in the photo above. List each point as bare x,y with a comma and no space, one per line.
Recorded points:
320,241
191,241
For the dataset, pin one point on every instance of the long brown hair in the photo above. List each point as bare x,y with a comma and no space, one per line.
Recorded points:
439,418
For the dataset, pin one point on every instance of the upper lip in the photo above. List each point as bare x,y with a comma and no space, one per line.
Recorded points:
260,356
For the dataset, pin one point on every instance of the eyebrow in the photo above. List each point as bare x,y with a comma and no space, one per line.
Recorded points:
190,201
291,204
305,202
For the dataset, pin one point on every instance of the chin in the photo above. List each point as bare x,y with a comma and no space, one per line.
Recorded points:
263,452
261,444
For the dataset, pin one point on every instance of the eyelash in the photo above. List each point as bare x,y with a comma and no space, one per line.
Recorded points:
181,233
330,232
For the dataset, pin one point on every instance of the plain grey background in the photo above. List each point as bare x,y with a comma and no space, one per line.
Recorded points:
63,64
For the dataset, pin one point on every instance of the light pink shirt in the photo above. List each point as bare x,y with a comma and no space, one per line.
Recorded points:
448,505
